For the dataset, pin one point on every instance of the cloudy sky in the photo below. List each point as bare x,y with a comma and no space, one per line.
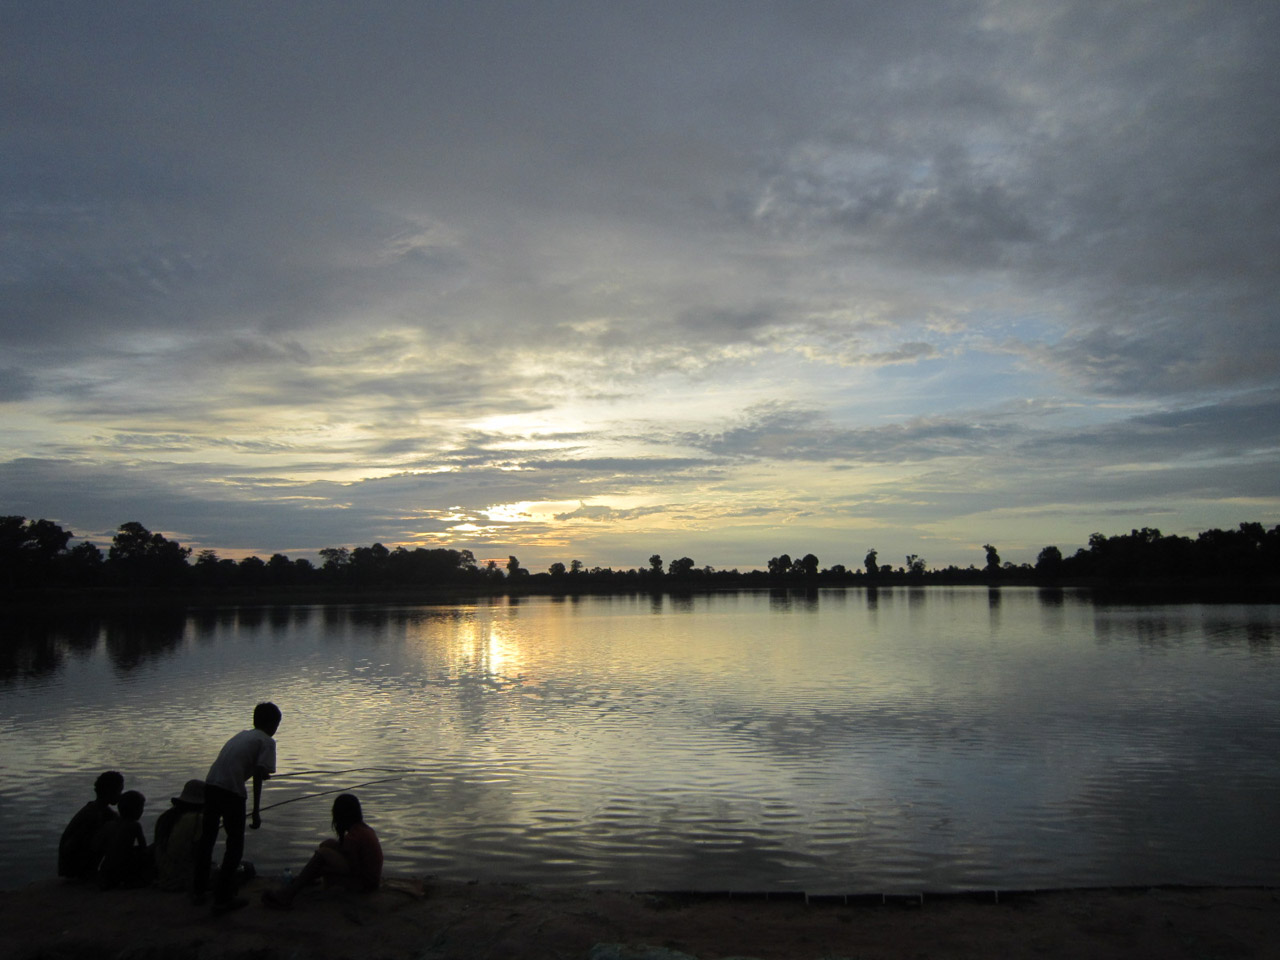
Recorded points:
600,280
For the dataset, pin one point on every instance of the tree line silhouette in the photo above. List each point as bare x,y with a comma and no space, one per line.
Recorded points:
36,554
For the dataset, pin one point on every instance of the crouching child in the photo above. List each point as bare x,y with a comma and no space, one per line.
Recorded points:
353,861
126,860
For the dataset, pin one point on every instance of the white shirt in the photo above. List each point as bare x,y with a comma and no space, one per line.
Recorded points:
245,751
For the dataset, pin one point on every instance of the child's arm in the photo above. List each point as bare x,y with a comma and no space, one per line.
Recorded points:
259,774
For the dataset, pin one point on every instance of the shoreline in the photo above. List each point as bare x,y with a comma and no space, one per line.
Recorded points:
412,918
46,601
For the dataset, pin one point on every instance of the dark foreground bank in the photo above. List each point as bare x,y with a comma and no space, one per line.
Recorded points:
414,920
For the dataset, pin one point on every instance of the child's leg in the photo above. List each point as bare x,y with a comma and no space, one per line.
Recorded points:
326,863
211,820
233,820
139,870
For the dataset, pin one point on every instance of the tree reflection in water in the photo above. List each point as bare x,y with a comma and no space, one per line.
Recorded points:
136,637
36,642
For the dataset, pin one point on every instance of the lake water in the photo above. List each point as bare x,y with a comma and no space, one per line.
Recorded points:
903,740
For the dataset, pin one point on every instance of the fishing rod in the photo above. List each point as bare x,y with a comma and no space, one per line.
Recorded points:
325,793
335,773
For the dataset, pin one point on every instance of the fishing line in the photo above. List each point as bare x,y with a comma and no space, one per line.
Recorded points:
325,793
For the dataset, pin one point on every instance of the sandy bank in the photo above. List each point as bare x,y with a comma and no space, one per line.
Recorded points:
412,920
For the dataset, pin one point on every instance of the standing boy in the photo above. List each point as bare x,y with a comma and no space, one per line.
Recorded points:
250,753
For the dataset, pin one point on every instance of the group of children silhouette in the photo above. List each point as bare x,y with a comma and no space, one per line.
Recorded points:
109,845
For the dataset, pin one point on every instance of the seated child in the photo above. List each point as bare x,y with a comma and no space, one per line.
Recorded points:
353,861
78,854
126,861
177,838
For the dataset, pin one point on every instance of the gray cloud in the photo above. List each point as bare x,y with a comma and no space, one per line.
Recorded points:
981,136
783,433
607,514
283,242
1239,427
16,384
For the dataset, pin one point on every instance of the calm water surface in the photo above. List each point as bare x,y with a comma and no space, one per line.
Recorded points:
926,739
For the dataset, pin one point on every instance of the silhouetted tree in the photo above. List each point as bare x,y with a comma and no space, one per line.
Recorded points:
680,568
780,566
143,558
81,566
869,562
335,560
37,552
280,571
29,550
1140,554
1237,553
252,571
209,572
1049,562
993,560
370,565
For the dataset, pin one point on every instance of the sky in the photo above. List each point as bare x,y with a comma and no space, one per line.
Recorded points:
579,280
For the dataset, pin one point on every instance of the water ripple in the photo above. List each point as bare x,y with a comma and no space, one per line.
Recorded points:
735,745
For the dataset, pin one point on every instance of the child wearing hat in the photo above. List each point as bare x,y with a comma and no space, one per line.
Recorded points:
177,837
